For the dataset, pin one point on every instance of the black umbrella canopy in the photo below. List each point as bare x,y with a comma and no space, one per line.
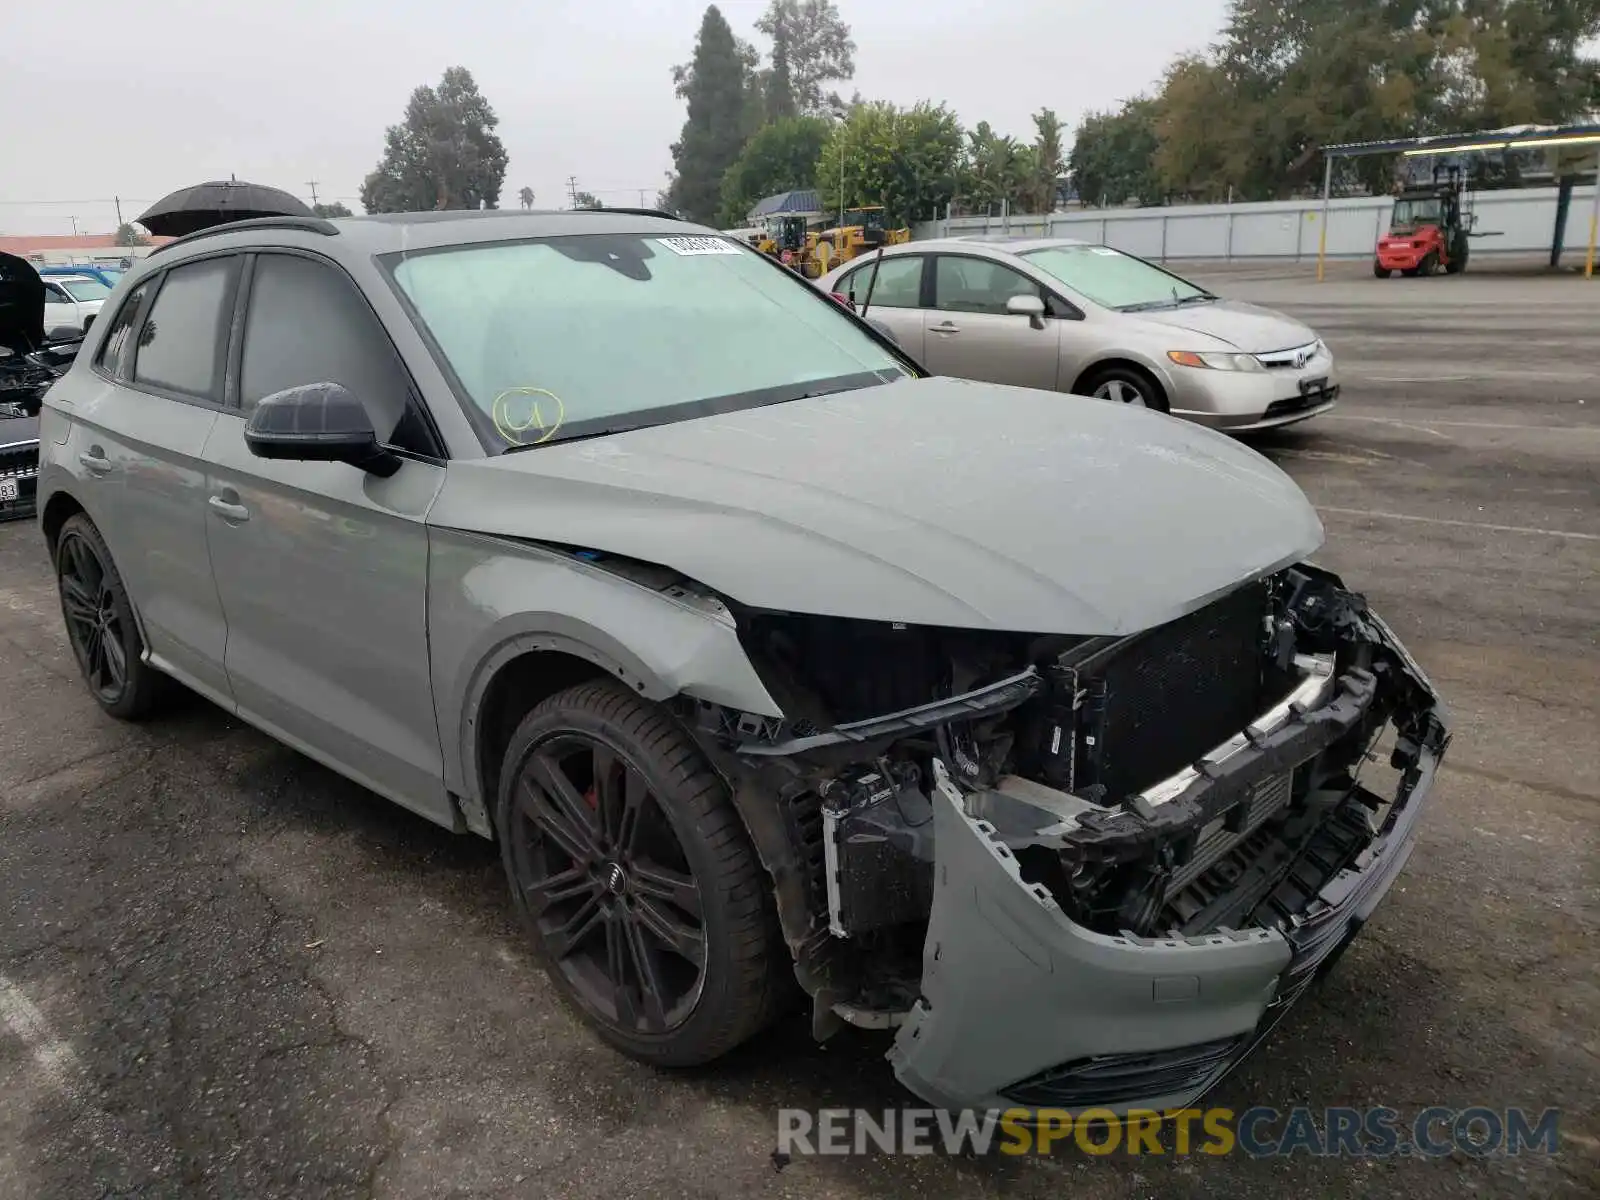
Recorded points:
191,209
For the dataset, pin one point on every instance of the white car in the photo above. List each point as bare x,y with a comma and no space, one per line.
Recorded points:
71,302
1069,316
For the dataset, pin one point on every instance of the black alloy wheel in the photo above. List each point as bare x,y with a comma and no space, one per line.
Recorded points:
100,624
634,876
616,904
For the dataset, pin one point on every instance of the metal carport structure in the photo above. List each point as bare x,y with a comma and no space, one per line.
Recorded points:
1515,137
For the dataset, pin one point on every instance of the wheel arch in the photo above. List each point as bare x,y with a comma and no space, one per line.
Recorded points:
1126,362
519,673
57,509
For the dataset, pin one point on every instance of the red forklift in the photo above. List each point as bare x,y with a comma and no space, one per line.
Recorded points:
1428,228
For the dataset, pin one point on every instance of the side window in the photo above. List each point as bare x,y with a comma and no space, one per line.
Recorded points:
899,283
181,341
308,324
54,295
976,285
116,352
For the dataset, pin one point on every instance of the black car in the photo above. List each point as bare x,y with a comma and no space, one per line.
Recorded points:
28,366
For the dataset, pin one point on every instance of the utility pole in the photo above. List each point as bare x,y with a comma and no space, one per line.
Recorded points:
74,221
312,184
572,190
117,200
641,198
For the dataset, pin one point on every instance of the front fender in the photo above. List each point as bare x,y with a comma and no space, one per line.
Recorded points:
492,599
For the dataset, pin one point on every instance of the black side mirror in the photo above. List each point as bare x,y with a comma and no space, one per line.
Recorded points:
317,422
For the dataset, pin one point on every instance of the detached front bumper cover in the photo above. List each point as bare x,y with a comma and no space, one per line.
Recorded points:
1022,1007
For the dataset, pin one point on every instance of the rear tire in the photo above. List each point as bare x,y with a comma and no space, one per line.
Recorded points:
1381,271
1429,263
636,879
100,625
1124,385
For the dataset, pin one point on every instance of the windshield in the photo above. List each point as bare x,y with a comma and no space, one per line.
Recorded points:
867,218
85,289
576,336
1410,213
1113,279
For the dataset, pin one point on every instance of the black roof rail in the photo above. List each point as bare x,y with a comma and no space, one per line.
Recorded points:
305,224
630,212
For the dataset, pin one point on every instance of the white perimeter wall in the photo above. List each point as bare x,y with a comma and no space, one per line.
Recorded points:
1521,221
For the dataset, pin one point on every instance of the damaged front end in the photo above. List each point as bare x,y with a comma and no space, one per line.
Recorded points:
1079,871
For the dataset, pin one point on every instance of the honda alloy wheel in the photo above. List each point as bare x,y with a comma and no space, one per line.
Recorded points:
634,877
1126,385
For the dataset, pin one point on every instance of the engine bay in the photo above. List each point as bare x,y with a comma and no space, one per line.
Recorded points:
1195,778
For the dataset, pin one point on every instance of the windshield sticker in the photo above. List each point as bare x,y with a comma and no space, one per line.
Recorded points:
1105,250
698,245
526,416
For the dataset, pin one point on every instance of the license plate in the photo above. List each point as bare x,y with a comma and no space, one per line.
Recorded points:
9,490
1314,387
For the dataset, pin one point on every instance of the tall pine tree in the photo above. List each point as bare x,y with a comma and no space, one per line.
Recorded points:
715,87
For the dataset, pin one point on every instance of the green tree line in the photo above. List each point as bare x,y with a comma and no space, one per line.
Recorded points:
761,122
1250,117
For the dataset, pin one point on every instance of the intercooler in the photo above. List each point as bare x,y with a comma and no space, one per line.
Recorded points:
1163,699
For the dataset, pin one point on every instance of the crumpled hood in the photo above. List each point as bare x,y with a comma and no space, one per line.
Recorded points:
1243,326
932,501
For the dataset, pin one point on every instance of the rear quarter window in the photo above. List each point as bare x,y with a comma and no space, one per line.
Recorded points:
116,352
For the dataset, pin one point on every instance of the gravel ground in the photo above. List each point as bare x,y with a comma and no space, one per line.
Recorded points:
224,971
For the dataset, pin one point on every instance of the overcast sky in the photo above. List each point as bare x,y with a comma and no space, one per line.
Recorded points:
105,99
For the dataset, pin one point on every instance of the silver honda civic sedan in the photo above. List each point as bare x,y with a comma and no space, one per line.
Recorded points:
1068,316
779,670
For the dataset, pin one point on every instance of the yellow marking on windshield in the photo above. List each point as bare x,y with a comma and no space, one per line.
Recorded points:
519,410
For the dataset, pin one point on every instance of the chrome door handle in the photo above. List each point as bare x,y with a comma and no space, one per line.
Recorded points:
95,464
228,510
947,327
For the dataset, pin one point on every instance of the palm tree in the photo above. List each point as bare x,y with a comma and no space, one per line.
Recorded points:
526,197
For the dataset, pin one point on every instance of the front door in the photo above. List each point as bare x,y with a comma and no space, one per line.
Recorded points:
136,440
322,568
896,296
970,334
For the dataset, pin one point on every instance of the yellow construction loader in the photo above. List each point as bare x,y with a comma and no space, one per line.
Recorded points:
785,239
850,239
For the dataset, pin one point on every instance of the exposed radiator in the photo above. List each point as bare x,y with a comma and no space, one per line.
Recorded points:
1173,694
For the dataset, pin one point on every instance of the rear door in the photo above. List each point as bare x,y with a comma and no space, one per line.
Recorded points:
135,445
971,335
896,296
322,568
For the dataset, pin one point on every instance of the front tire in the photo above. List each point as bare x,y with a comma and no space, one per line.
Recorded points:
100,624
1125,385
635,878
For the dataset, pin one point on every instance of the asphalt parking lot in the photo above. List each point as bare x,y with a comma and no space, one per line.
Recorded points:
225,972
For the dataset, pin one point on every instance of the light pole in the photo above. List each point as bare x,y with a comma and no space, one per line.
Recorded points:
844,115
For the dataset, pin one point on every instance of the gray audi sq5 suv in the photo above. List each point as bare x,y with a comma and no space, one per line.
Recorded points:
781,672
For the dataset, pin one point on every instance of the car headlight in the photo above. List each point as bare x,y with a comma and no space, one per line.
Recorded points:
1215,360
